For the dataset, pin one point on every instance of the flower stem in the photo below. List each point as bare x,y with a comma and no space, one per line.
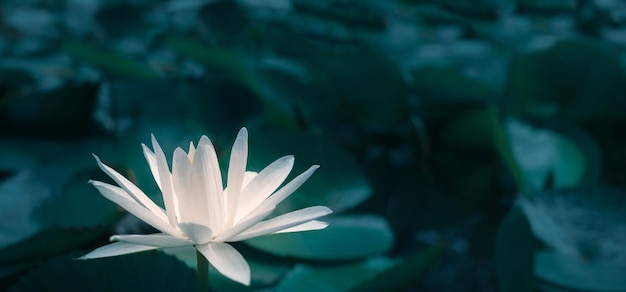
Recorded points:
202,272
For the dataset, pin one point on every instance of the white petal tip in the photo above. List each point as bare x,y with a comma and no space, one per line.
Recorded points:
326,210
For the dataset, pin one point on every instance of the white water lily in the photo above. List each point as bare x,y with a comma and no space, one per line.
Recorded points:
200,212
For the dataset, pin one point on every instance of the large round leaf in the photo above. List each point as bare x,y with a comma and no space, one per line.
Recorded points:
346,238
582,222
332,278
576,273
405,271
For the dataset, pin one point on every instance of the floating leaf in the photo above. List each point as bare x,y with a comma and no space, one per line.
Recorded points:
345,277
541,154
405,271
49,209
79,204
584,222
347,237
576,273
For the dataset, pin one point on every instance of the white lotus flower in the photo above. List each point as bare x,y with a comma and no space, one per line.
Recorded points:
199,212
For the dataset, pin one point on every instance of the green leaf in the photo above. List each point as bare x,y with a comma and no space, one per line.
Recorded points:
346,238
110,62
339,183
542,154
405,271
584,222
575,273
49,209
514,250
147,271
21,194
344,277
79,205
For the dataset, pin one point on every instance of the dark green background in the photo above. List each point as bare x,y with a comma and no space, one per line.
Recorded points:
430,119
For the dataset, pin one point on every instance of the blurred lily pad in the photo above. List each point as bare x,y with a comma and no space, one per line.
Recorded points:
582,222
543,154
576,273
405,271
346,238
50,208
345,277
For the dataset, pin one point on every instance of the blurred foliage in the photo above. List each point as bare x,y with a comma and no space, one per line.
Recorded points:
464,145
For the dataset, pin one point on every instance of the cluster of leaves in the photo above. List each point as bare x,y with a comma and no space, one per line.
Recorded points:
427,117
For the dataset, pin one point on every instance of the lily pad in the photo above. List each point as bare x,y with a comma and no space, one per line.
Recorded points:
343,277
576,273
542,154
49,209
405,271
346,238
583,222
